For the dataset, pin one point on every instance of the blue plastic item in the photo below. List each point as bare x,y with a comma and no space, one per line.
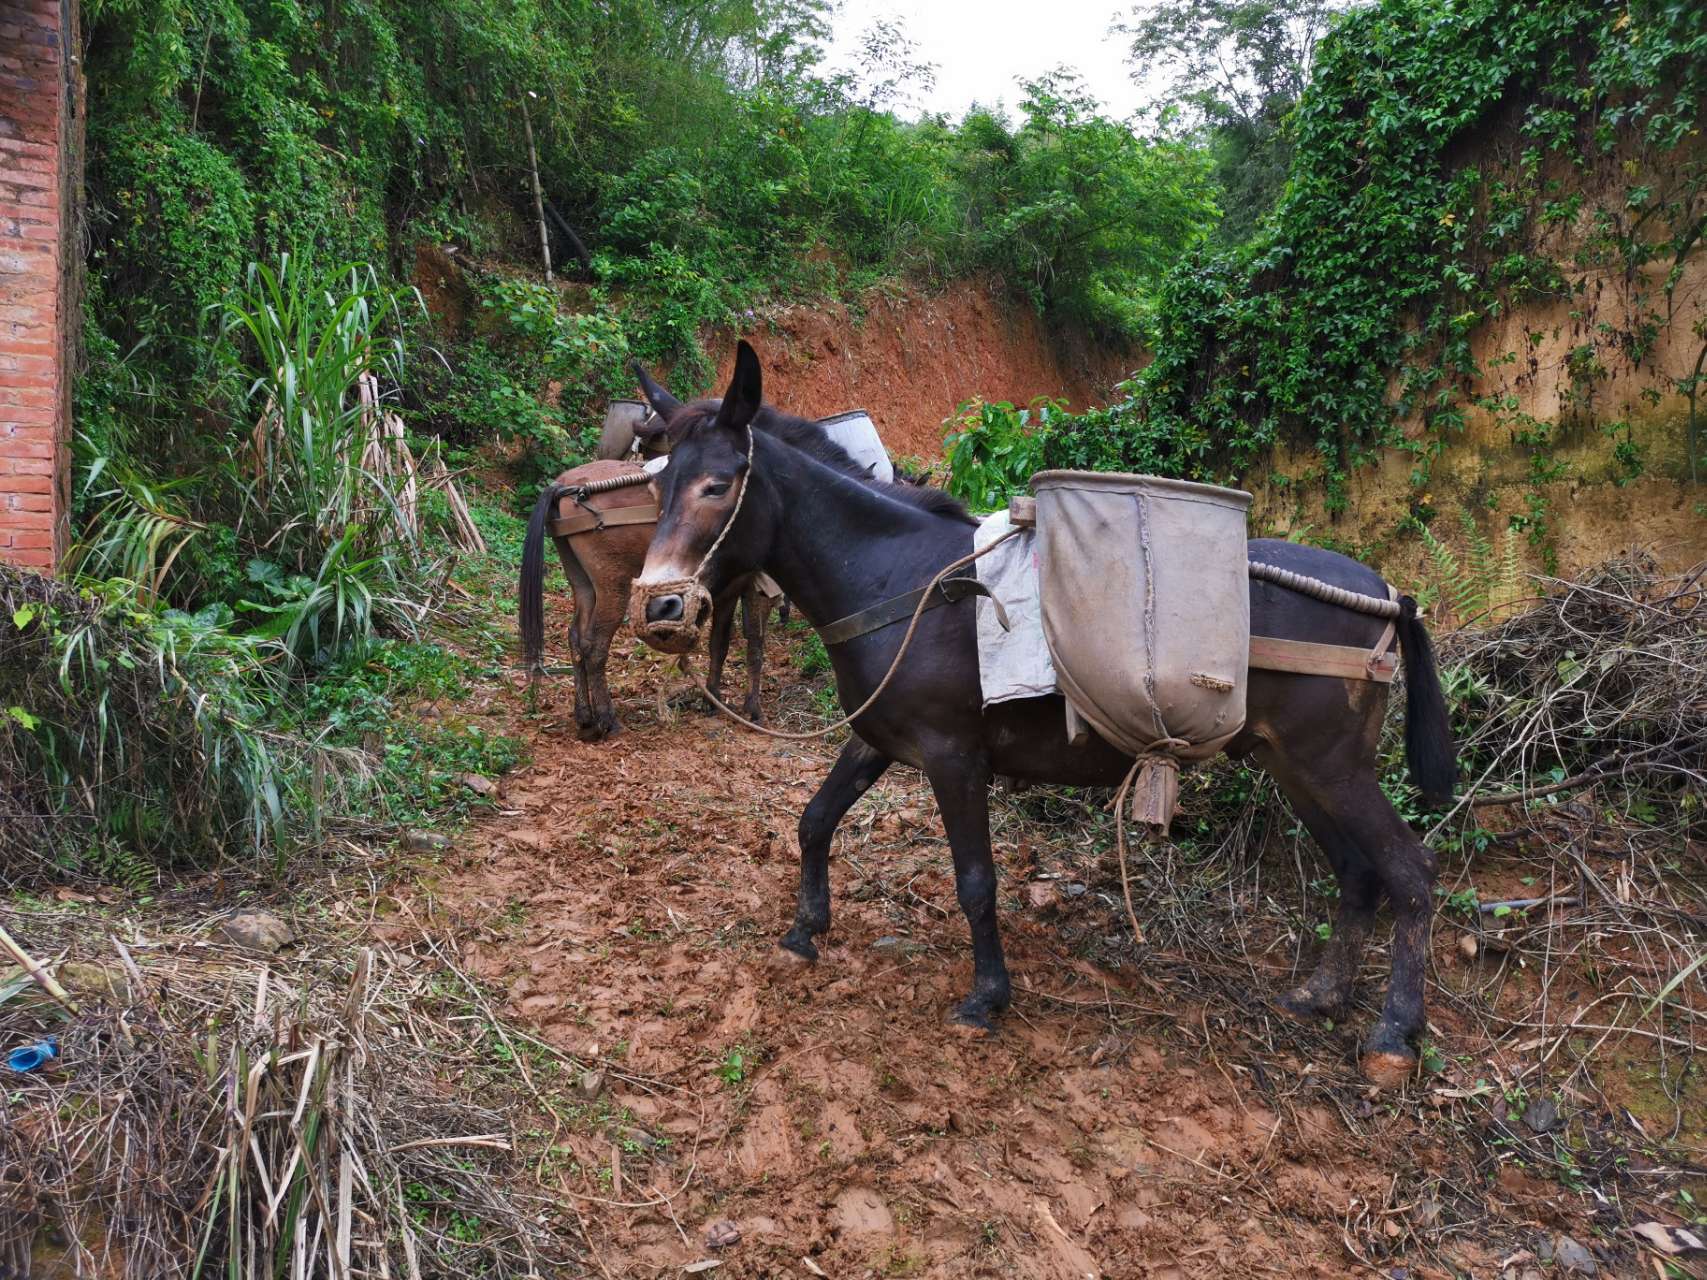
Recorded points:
32,1056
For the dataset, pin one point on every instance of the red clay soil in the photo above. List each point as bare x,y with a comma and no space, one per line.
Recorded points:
914,357
626,904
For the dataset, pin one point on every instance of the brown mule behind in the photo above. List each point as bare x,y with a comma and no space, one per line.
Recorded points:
600,565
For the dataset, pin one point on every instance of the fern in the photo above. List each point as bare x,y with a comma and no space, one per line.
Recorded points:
1486,583
1457,587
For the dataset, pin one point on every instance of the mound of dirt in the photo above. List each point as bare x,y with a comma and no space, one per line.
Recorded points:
909,360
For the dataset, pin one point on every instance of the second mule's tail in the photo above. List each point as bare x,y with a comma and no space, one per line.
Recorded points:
530,604
1429,749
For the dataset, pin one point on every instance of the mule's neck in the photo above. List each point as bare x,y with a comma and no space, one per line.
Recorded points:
841,545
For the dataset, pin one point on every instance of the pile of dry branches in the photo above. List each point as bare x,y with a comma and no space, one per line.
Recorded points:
1603,681
215,1112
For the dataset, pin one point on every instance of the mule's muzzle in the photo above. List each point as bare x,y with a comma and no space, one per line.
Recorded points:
669,615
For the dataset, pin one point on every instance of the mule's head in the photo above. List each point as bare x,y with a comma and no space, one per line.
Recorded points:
700,501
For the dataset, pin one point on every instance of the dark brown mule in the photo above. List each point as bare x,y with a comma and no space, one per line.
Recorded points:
838,547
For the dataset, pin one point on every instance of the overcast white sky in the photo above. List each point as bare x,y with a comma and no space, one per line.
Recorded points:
984,49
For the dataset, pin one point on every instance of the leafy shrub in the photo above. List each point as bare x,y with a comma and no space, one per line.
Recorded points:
174,214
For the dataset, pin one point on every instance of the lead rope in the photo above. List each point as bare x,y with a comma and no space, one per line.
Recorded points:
906,640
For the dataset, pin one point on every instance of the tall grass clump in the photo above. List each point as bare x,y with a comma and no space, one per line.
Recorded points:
132,737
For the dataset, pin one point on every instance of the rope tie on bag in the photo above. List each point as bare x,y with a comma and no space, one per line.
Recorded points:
1152,784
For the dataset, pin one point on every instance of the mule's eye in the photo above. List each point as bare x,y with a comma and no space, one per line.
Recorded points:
717,488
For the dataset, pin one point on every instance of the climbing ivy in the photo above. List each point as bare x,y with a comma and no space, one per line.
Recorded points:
1346,321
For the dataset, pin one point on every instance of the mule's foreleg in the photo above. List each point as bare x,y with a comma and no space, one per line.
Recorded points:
855,770
962,787
754,608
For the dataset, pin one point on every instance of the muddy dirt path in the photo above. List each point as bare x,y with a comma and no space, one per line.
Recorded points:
627,902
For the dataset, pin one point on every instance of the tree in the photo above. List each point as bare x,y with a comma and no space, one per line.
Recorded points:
1233,70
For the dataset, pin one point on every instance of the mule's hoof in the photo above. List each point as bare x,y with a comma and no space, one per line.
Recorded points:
754,713
1387,1070
801,948
1303,1005
972,1024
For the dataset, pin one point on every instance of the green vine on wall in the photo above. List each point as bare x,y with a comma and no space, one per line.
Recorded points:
1347,321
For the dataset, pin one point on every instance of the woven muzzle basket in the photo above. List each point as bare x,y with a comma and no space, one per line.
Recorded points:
1146,610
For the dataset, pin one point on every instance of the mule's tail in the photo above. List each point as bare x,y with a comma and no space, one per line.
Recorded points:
530,606
1429,750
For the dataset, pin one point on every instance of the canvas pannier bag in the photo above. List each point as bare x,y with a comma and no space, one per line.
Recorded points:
621,418
855,432
1146,610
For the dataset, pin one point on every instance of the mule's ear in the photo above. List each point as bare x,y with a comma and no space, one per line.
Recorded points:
746,390
663,403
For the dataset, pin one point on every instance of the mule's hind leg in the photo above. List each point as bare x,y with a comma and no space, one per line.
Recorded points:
754,608
1371,850
607,617
1407,868
580,632
1327,991
855,770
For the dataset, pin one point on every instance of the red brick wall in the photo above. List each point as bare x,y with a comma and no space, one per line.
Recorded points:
41,160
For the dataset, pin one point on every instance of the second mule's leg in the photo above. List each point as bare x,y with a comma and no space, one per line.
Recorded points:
962,788
754,608
717,646
580,633
855,770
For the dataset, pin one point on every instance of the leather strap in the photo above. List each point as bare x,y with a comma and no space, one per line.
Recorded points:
901,608
589,518
1348,662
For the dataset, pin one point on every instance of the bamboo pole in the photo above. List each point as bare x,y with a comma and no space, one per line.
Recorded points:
538,194
46,980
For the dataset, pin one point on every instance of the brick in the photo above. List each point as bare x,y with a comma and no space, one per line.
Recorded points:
29,347
24,214
30,467
42,501
30,381
28,487
26,398
28,415
21,447
33,539
45,366
15,163
26,147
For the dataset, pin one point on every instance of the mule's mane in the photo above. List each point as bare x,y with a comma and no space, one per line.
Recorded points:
812,440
